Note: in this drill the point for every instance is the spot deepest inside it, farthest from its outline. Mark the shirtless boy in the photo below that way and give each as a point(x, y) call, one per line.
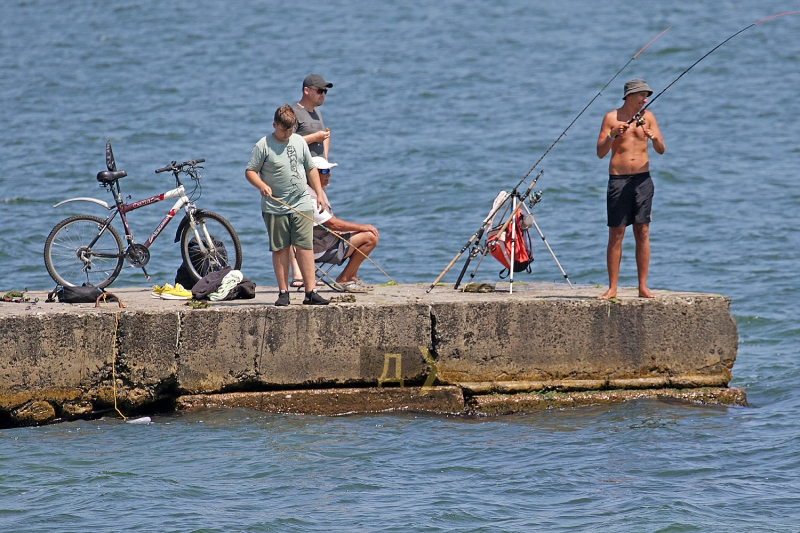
point(629, 197)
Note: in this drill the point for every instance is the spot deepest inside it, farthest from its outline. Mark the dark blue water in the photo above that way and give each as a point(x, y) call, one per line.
point(435, 107)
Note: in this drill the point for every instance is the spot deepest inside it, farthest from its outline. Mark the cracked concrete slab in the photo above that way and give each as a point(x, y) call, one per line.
point(153, 351)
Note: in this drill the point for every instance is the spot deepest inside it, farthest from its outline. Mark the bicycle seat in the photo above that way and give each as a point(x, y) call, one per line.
point(110, 177)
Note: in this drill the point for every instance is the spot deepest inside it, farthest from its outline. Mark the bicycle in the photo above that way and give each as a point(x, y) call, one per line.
point(88, 249)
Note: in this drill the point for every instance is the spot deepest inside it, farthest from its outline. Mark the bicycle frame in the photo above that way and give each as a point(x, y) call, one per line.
point(179, 193)
point(123, 209)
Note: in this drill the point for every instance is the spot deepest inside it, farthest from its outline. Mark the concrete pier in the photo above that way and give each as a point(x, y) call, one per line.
point(398, 347)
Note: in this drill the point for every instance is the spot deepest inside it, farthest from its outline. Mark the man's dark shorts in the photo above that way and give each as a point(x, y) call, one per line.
point(629, 199)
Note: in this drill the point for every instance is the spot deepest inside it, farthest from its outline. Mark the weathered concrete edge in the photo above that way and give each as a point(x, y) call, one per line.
point(148, 374)
point(334, 402)
point(686, 381)
point(505, 404)
point(439, 400)
point(447, 400)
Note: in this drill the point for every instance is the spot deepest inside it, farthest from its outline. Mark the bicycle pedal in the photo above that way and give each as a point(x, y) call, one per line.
point(146, 275)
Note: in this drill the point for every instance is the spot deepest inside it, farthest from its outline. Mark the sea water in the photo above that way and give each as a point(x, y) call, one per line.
point(436, 106)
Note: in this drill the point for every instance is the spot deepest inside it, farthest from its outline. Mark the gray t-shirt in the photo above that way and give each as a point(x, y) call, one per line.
point(283, 167)
point(309, 123)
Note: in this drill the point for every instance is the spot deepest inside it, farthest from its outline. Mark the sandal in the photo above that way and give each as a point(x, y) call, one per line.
point(354, 286)
point(369, 287)
point(297, 283)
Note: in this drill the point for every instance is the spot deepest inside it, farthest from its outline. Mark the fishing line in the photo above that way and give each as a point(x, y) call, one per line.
point(638, 115)
point(336, 235)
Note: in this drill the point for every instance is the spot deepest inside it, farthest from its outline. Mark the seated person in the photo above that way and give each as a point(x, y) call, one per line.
point(328, 248)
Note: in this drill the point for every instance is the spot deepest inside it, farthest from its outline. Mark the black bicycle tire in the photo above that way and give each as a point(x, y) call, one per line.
point(59, 276)
point(188, 235)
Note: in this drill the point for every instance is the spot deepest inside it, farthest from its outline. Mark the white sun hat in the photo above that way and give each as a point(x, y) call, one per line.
point(321, 162)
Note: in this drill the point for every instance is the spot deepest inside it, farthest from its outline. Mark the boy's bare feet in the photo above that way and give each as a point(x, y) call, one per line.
point(645, 293)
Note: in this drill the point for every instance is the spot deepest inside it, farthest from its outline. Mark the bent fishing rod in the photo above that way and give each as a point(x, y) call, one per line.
point(478, 234)
point(335, 234)
point(638, 116)
point(591, 102)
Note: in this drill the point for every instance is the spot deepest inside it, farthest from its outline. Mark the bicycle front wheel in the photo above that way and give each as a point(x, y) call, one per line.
point(210, 246)
point(81, 250)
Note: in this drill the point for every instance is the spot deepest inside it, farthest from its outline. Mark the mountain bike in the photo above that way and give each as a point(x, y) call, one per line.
point(88, 249)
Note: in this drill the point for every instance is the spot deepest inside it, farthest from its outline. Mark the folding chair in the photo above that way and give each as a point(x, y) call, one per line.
point(333, 256)
point(323, 275)
point(325, 260)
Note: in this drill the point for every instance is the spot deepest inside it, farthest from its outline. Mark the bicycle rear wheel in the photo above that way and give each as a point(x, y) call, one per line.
point(212, 245)
point(78, 252)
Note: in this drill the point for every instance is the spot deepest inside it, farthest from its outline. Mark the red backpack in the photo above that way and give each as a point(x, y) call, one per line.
point(499, 245)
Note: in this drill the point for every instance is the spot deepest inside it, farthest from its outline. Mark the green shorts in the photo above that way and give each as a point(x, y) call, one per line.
point(291, 229)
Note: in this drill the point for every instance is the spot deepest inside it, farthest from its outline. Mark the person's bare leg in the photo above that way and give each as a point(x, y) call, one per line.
point(613, 259)
point(295, 272)
point(641, 233)
point(280, 263)
point(366, 242)
point(305, 260)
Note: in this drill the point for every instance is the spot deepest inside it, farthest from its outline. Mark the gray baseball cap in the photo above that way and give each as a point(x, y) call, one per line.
point(636, 85)
point(315, 80)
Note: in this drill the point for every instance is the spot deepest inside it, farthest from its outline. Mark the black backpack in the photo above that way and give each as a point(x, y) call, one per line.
point(84, 294)
point(245, 290)
point(203, 266)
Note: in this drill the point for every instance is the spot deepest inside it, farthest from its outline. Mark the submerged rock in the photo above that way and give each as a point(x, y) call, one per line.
point(33, 413)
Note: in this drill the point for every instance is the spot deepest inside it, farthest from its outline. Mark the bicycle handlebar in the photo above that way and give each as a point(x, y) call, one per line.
point(172, 166)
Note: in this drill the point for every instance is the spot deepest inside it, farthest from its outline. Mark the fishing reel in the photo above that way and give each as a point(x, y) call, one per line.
point(639, 119)
point(476, 250)
point(534, 199)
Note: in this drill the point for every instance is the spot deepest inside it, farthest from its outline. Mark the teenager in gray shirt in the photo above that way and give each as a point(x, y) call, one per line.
point(281, 167)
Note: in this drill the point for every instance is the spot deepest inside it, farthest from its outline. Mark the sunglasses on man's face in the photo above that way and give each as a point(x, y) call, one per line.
point(320, 91)
point(324, 171)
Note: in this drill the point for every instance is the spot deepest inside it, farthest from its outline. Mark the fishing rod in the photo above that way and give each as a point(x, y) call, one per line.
point(478, 234)
point(638, 116)
point(591, 101)
point(335, 235)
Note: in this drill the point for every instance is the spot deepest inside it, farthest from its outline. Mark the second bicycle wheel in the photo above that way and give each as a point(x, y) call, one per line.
point(76, 252)
point(218, 245)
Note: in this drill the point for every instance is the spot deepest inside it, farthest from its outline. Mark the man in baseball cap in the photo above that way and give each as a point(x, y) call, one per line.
point(309, 120)
point(311, 128)
point(626, 132)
